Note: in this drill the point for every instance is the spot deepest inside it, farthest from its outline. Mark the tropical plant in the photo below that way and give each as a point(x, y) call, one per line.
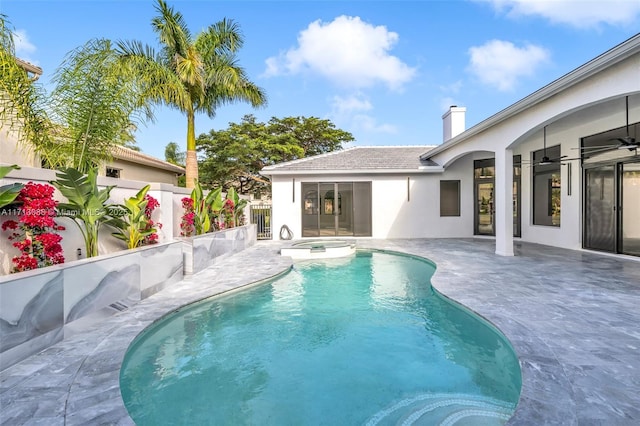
point(95, 104)
point(206, 208)
point(191, 74)
point(187, 226)
point(234, 208)
point(86, 205)
point(34, 233)
point(152, 204)
point(22, 100)
point(8, 193)
point(173, 155)
point(201, 212)
point(131, 221)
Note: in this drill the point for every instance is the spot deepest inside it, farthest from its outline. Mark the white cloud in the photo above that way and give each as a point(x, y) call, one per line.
point(452, 88)
point(23, 45)
point(577, 13)
point(348, 52)
point(368, 124)
point(350, 104)
point(350, 112)
point(501, 64)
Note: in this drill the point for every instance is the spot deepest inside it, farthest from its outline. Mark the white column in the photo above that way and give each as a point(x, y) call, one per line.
point(503, 195)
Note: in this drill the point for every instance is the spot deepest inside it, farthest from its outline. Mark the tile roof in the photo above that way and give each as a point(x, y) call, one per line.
point(29, 67)
point(359, 158)
point(122, 153)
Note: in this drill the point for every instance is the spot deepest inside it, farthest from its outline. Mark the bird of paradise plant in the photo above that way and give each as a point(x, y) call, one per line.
point(87, 204)
point(131, 223)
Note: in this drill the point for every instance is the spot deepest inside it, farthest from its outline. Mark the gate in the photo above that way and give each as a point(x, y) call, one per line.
point(260, 215)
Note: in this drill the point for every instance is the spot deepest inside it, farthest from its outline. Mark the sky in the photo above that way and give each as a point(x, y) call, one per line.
point(386, 71)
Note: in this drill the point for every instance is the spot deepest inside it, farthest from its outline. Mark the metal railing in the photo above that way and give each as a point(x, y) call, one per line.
point(261, 216)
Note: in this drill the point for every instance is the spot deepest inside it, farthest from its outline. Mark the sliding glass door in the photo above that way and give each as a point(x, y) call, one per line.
point(600, 211)
point(336, 209)
point(611, 202)
point(630, 213)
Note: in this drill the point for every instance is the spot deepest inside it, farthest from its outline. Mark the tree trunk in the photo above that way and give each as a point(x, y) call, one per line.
point(192, 169)
point(192, 159)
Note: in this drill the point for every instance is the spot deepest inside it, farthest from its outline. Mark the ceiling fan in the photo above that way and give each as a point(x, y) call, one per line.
point(625, 142)
point(545, 160)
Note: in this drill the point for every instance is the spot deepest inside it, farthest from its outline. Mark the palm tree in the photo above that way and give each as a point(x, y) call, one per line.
point(193, 75)
point(22, 101)
point(96, 103)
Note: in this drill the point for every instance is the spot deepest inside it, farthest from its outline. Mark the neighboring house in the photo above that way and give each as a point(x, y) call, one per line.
point(10, 153)
point(133, 165)
point(559, 167)
point(126, 163)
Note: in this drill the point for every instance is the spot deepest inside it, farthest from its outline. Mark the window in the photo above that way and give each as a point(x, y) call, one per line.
point(546, 188)
point(449, 198)
point(114, 173)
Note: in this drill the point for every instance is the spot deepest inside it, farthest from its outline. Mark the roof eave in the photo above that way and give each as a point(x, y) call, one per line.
point(419, 170)
point(131, 156)
point(613, 56)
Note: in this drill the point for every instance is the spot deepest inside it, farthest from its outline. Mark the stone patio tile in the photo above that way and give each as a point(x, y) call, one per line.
point(571, 316)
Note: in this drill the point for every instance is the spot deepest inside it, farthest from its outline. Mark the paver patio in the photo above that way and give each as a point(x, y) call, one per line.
point(572, 317)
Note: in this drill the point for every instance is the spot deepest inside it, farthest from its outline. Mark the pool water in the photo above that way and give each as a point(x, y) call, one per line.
point(362, 340)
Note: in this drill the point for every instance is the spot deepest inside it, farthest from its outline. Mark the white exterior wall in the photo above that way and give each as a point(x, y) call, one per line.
point(11, 152)
point(567, 133)
point(393, 216)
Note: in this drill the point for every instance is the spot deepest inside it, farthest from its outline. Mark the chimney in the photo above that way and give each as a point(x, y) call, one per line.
point(453, 122)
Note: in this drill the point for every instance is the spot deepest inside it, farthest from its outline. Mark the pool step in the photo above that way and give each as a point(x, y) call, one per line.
point(445, 410)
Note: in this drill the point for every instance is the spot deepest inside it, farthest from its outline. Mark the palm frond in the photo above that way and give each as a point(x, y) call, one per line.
point(22, 101)
point(222, 38)
point(228, 83)
point(172, 29)
point(96, 102)
point(156, 82)
point(6, 35)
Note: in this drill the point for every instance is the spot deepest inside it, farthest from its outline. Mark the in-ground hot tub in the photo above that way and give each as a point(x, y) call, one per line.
point(319, 249)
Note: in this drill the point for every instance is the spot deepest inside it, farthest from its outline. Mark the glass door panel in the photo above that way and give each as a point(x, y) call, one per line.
point(362, 209)
point(344, 214)
point(328, 209)
point(310, 210)
point(484, 209)
point(516, 209)
point(630, 226)
point(600, 214)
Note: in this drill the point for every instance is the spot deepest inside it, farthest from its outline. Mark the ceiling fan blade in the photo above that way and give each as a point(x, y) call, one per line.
point(626, 140)
point(604, 149)
point(597, 147)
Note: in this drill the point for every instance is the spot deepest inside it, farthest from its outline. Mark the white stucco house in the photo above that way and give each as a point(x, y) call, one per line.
point(559, 167)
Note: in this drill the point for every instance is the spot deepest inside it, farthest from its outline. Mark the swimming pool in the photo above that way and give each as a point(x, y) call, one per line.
point(357, 340)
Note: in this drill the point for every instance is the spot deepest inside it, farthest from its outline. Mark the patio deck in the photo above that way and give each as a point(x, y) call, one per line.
point(572, 317)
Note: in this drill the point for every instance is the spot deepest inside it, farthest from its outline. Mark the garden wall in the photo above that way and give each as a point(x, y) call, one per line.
point(168, 214)
point(203, 251)
point(42, 306)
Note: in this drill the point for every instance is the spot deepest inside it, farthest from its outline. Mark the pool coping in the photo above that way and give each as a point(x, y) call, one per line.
point(77, 380)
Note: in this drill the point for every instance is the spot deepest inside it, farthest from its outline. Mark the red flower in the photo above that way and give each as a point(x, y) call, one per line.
point(33, 237)
point(187, 203)
point(9, 224)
